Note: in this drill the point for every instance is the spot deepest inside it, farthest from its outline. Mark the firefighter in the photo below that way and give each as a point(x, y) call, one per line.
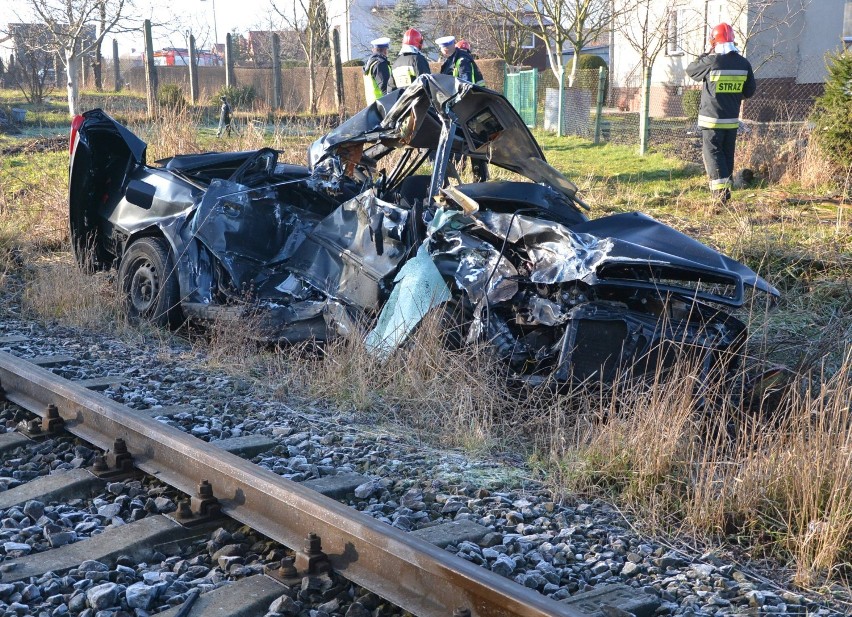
point(475, 72)
point(411, 62)
point(377, 76)
point(727, 79)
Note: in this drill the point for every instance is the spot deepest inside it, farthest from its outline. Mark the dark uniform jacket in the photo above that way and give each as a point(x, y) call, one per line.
point(407, 67)
point(377, 77)
point(460, 65)
point(728, 79)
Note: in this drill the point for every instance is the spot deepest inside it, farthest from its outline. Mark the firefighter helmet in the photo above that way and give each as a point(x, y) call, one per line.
point(413, 37)
point(723, 33)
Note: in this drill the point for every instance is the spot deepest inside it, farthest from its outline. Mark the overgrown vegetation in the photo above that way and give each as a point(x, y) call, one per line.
point(833, 110)
point(770, 478)
point(240, 97)
point(691, 101)
point(171, 96)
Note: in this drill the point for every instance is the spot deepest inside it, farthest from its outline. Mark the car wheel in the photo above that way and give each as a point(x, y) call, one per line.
point(148, 283)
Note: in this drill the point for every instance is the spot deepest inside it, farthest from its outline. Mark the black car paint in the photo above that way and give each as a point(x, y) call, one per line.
point(310, 253)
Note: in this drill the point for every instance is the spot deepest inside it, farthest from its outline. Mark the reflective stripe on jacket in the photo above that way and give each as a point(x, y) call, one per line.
point(377, 78)
point(407, 67)
point(727, 80)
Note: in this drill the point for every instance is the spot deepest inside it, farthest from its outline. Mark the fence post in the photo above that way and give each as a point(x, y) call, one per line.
point(561, 103)
point(535, 97)
point(150, 70)
point(116, 68)
point(338, 73)
point(193, 71)
point(229, 62)
point(645, 114)
point(599, 107)
point(276, 71)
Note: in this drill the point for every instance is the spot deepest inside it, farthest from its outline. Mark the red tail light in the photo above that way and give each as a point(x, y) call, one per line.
point(76, 123)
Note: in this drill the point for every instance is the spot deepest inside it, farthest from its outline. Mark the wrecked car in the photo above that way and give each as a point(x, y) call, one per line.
point(359, 236)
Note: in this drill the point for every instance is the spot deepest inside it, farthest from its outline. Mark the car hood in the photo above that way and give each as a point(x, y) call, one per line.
point(410, 118)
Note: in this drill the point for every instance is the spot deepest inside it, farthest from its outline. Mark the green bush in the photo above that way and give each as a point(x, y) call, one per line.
point(587, 75)
point(691, 100)
point(238, 96)
point(354, 62)
point(833, 110)
point(171, 96)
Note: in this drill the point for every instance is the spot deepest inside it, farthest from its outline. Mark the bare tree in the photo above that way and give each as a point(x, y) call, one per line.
point(558, 23)
point(31, 72)
point(71, 31)
point(766, 28)
point(310, 20)
point(648, 26)
point(492, 36)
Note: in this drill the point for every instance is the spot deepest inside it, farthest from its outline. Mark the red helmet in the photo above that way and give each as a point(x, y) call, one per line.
point(462, 44)
point(723, 33)
point(412, 37)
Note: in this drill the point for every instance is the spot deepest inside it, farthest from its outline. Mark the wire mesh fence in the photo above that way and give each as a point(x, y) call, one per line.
point(775, 119)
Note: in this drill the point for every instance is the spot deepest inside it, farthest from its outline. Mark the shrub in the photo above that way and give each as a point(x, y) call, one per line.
point(690, 102)
point(834, 109)
point(587, 75)
point(171, 96)
point(353, 62)
point(238, 96)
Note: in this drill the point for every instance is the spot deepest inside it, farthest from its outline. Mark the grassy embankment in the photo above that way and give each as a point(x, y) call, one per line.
point(772, 484)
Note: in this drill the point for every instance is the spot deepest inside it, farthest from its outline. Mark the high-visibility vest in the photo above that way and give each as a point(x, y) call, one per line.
point(474, 72)
point(404, 76)
point(372, 91)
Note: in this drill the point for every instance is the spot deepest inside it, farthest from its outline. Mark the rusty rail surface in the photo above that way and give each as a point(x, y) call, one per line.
point(411, 573)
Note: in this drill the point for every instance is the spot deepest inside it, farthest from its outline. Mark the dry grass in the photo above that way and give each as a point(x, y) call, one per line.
point(457, 397)
point(58, 290)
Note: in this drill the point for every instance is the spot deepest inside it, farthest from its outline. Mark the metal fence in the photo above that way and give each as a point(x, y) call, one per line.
point(777, 114)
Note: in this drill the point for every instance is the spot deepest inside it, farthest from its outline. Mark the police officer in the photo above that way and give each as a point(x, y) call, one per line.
point(457, 62)
point(475, 72)
point(411, 62)
point(727, 79)
point(377, 76)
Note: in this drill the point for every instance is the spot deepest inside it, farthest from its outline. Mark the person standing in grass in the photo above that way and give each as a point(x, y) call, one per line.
point(727, 79)
point(224, 117)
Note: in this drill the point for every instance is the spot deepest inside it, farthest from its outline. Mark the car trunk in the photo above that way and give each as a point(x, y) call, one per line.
point(103, 154)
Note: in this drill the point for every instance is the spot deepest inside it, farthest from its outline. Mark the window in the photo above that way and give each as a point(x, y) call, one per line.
point(529, 41)
point(847, 23)
point(674, 33)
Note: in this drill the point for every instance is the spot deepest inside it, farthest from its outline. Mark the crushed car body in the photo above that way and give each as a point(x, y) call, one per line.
point(358, 236)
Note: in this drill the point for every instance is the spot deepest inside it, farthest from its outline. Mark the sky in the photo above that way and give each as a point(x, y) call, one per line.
point(174, 17)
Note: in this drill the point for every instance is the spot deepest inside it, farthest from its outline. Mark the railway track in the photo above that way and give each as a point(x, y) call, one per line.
point(408, 569)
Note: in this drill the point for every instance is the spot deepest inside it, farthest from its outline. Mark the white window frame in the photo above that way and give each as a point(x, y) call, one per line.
point(529, 41)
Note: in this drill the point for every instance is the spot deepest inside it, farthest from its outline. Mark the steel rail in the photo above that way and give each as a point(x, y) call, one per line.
point(411, 573)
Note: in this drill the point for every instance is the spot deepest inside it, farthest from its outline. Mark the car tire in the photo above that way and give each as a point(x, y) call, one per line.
point(148, 283)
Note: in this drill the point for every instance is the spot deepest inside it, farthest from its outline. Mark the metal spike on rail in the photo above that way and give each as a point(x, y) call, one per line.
point(311, 559)
point(285, 573)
